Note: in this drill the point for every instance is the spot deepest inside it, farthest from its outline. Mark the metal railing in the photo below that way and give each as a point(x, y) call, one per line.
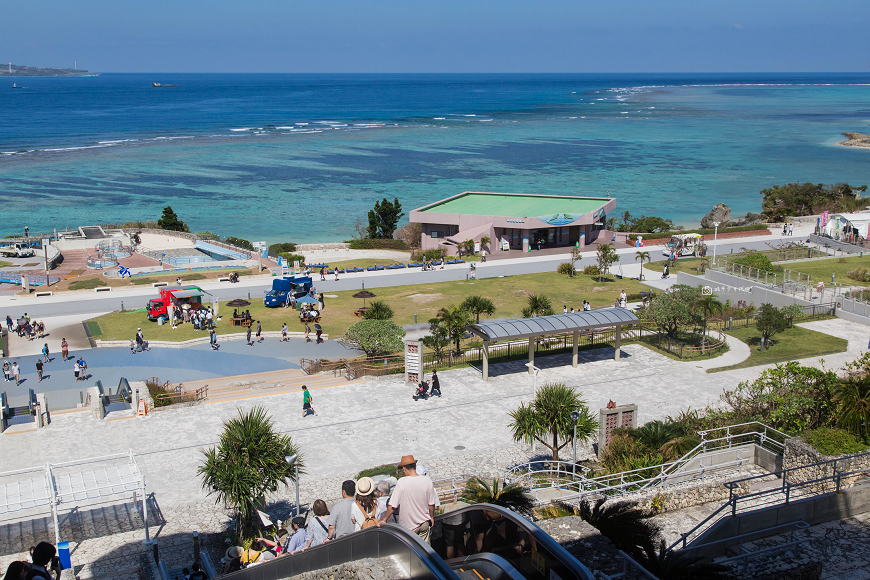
point(789, 491)
point(628, 564)
point(545, 476)
point(744, 555)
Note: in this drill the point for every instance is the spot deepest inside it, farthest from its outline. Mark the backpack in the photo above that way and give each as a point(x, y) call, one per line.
point(370, 520)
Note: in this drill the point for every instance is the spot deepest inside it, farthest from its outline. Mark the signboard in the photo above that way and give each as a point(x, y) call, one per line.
point(505, 245)
point(413, 361)
point(476, 247)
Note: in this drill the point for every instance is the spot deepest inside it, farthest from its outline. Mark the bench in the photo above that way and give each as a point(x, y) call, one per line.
point(360, 311)
point(241, 322)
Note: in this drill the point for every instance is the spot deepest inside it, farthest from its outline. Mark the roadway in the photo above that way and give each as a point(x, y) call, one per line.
point(255, 287)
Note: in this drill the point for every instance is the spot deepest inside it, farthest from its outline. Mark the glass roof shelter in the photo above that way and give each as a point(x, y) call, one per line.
point(532, 328)
point(72, 483)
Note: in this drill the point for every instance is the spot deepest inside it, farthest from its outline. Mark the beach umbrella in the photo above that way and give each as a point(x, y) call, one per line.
point(238, 303)
point(364, 294)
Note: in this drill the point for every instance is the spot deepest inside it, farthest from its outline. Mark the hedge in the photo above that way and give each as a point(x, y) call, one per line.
point(701, 231)
point(376, 244)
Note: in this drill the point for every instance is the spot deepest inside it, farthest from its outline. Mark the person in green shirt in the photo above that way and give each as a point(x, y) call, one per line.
point(306, 402)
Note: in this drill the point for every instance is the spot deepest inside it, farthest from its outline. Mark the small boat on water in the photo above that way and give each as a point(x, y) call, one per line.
point(160, 85)
point(15, 86)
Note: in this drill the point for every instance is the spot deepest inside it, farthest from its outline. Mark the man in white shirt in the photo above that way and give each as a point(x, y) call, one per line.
point(415, 498)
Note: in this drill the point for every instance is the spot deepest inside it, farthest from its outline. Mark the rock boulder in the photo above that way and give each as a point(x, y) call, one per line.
point(720, 213)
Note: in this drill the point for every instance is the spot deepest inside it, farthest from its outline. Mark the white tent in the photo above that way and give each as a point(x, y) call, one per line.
point(838, 221)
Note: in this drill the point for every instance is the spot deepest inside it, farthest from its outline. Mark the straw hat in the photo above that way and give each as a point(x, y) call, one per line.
point(232, 553)
point(407, 460)
point(365, 486)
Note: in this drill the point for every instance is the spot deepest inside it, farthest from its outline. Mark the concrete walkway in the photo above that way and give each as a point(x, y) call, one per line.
point(738, 351)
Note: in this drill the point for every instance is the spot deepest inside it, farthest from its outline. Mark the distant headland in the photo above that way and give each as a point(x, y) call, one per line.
point(14, 70)
point(856, 140)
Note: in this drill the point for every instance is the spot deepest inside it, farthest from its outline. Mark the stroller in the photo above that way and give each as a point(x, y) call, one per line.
point(421, 392)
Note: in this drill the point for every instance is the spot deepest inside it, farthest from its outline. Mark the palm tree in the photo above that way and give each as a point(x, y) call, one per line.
point(437, 340)
point(379, 310)
point(549, 415)
point(455, 321)
point(672, 565)
point(679, 446)
point(624, 524)
point(853, 397)
point(642, 255)
point(512, 496)
point(484, 242)
point(654, 434)
point(709, 305)
point(468, 246)
point(247, 464)
point(478, 305)
point(539, 305)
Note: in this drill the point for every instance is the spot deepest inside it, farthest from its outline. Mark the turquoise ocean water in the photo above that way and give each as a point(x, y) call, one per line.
point(302, 157)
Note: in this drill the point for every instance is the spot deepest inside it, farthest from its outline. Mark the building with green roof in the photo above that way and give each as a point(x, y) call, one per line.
point(512, 221)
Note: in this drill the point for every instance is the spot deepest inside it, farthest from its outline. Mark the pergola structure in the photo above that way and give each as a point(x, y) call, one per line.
point(532, 328)
point(71, 483)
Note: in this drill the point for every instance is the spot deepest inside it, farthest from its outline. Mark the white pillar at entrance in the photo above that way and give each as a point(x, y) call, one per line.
point(617, 342)
point(531, 354)
point(485, 352)
point(576, 340)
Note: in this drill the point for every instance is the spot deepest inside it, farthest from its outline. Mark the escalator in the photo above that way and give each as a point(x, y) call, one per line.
point(480, 542)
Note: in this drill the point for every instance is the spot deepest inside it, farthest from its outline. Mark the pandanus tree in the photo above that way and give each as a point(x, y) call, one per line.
point(852, 396)
point(547, 418)
point(248, 464)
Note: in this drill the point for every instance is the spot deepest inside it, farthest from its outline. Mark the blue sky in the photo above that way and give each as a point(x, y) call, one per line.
point(439, 36)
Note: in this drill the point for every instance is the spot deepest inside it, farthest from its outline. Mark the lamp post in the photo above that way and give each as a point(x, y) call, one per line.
point(535, 371)
point(715, 235)
point(575, 416)
point(292, 460)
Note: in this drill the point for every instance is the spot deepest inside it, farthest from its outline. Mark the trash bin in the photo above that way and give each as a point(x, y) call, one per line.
point(160, 321)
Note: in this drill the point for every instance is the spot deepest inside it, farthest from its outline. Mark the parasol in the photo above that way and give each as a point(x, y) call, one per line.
point(364, 294)
point(238, 303)
point(307, 300)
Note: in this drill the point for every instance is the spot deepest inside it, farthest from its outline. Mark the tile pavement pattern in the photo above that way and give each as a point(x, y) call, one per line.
point(357, 426)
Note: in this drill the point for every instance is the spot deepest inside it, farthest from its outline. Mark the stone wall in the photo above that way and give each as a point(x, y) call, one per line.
point(798, 453)
point(684, 495)
point(585, 543)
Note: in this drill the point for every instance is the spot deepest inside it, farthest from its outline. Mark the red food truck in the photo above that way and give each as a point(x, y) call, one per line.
point(175, 296)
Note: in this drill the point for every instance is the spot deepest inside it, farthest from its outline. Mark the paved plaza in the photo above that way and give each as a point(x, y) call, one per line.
point(361, 424)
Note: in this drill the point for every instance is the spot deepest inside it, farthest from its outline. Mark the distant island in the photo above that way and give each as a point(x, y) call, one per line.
point(856, 140)
point(14, 70)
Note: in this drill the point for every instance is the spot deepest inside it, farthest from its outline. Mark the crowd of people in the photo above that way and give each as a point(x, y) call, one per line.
point(364, 504)
point(42, 563)
point(201, 318)
point(25, 327)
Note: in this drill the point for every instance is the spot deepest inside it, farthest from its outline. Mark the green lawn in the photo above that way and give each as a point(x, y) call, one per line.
point(688, 265)
point(4, 264)
point(821, 270)
point(508, 293)
point(793, 344)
